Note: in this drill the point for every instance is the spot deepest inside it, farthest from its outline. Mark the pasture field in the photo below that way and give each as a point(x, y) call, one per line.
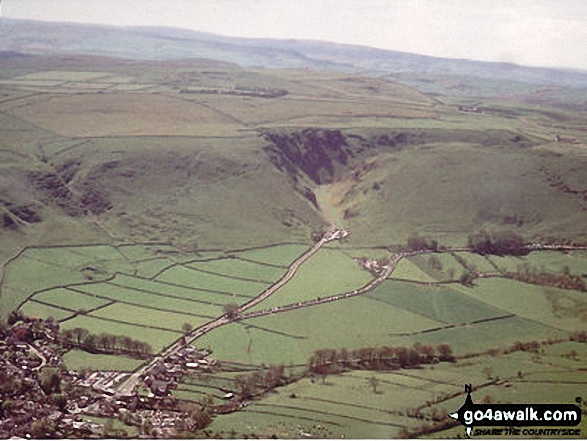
point(64, 75)
point(177, 291)
point(188, 276)
point(439, 303)
point(196, 385)
point(498, 334)
point(557, 308)
point(507, 263)
point(18, 284)
point(148, 316)
point(524, 377)
point(38, 310)
point(326, 273)
point(77, 360)
point(476, 262)
point(447, 267)
point(281, 255)
point(67, 298)
point(240, 269)
point(408, 270)
point(550, 261)
point(166, 300)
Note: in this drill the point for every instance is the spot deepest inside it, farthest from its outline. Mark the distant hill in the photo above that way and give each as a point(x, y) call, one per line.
point(169, 43)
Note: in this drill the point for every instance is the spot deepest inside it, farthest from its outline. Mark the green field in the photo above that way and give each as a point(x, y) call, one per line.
point(561, 309)
point(281, 255)
point(191, 277)
point(76, 360)
point(439, 303)
point(408, 270)
point(237, 268)
point(328, 272)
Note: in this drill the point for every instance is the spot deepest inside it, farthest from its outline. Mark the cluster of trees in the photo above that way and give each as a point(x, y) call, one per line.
point(83, 339)
point(330, 361)
point(197, 416)
point(420, 243)
point(499, 244)
point(248, 386)
point(564, 280)
point(579, 336)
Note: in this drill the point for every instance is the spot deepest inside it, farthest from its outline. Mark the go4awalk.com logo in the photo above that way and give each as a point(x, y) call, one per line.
point(546, 420)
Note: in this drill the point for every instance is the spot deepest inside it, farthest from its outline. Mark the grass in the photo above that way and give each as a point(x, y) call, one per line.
point(408, 270)
point(150, 299)
point(328, 272)
point(441, 304)
point(69, 299)
point(554, 261)
point(77, 360)
point(18, 283)
point(240, 268)
point(477, 262)
point(446, 269)
point(281, 255)
point(495, 334)
point(147, 317)
point(553, 307)
point(176, 290)
point(37, 310)
point(197, 279)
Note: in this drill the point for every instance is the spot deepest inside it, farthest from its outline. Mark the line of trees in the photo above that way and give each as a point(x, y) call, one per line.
point(579, 336)
point(330, 361)
point(498, 244)
point(421, 243)
point(564, 280)
point(109, 343)
point(248, 386)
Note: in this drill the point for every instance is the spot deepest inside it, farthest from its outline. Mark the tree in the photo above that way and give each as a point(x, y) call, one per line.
point(374, 382)
point(445, 352)
point(15, 316)
point(186, 328)
point(79, 334)
point(50, 381)
point(231, 310)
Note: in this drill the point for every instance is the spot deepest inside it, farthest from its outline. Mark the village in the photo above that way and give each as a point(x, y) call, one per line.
point(41, 398)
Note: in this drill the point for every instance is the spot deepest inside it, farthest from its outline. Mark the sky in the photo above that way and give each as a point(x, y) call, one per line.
point(530, 32)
